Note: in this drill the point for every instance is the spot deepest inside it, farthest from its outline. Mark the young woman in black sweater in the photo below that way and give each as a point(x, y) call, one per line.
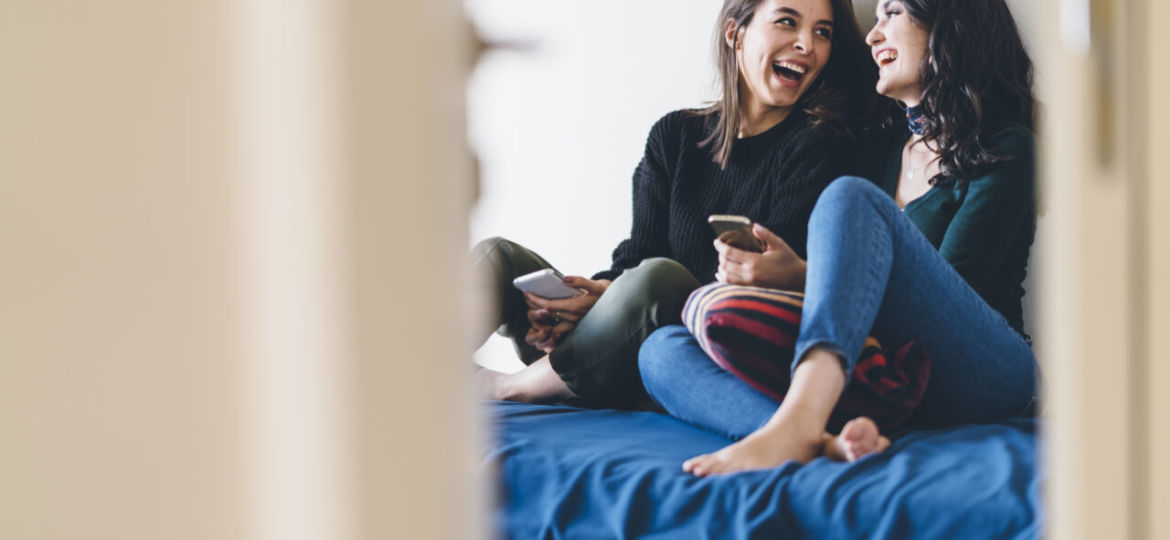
point(795, 83)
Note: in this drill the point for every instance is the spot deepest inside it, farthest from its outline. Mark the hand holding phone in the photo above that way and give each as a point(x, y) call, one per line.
point(736, 231)
point(546, 283)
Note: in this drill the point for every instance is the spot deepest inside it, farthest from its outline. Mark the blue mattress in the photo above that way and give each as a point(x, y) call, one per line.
point(577, 473)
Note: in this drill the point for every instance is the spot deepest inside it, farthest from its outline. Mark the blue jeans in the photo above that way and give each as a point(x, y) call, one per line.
point(872, 272)
point(684, 381)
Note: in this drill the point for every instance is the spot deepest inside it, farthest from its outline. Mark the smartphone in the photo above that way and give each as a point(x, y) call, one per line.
point(546, 283)
point(736, 231)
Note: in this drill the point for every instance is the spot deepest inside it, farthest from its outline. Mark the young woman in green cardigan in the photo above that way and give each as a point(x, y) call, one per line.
point(935, 252)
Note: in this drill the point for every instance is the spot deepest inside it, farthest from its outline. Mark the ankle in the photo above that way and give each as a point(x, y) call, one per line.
point(795, 424)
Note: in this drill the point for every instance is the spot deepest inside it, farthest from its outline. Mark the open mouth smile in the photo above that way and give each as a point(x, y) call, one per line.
point(885, 57)
point(789, 72)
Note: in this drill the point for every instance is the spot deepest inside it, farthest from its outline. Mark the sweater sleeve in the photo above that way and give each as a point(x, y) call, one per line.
point(651, 187)
point(993, 212)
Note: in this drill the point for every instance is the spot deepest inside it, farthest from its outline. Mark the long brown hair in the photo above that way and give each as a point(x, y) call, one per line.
point(839, 99)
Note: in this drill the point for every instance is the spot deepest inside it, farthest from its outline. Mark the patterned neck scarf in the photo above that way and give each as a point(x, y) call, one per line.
point(916, 120)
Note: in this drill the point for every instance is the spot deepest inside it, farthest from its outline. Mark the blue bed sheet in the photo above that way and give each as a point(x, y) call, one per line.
point(577, 473)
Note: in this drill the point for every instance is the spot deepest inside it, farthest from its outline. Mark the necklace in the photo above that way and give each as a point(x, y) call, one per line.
point(913, 182)
point(911, 169)
point(910, 172)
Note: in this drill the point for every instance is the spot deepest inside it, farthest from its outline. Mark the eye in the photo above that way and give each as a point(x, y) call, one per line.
point(787, 21)
point(825, 32)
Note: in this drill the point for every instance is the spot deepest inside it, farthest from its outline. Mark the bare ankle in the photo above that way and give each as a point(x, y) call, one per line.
point(797, 423)
point(796, 428)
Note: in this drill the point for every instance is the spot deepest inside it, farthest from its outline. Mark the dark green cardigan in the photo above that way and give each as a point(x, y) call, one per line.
point(983, 227)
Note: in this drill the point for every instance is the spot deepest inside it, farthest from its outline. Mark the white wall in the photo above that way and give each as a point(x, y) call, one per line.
point(560, 128)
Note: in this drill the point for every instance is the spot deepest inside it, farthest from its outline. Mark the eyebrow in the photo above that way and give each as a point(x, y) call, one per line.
point(795, 13)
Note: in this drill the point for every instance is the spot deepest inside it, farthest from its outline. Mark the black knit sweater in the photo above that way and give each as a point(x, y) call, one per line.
point(773, 178)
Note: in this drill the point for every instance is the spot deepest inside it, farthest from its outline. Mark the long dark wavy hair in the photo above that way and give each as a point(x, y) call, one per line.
point(842, 99)
point(976, 80)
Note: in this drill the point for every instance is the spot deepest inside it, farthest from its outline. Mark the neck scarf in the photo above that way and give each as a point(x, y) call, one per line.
point(916, 120)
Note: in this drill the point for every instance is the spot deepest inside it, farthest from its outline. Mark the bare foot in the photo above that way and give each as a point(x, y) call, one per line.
point(770, 446)
point(795, 430)
point(536, 383)
point(859, 438)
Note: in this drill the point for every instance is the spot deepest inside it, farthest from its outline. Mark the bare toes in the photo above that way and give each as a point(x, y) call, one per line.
point(858, 438)
point(706, 465)
point(861, 438)
point(689, 466)
point(860, 429)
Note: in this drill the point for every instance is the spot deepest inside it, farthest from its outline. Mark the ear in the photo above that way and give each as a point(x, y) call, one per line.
point(729, 34)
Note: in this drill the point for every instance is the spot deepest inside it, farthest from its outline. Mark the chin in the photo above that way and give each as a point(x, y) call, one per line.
point(787, 102)
point(887, 91)
point(784, 100)
point(782, 104)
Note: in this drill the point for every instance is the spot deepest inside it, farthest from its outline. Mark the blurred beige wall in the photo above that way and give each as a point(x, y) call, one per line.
point(217, 317)
point(1105, 304)
point(120, 397)
point(1156, 469)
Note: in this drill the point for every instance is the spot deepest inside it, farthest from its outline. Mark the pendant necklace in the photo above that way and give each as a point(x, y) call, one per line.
point(911, 170)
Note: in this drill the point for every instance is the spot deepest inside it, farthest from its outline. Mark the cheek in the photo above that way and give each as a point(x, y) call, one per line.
point(746, 72)
point(745, 68)
point(749, 65)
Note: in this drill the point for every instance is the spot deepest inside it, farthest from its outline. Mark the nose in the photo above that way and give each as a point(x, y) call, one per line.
point(804, 43)
point(874, 37)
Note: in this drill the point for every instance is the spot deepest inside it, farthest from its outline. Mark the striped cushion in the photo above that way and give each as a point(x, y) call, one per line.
point(751, 332)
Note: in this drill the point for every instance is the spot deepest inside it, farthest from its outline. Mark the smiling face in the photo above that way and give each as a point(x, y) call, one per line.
point(898, 45)
point(781, 51)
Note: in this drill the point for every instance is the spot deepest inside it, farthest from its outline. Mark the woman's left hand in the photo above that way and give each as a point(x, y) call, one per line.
point(551, 320)
point(778, 267)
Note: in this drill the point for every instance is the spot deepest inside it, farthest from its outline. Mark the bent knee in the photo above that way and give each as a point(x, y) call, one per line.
point(658, 277)
point(852, 188)
point(849, 194)
point(493, 245)
point(659, 267)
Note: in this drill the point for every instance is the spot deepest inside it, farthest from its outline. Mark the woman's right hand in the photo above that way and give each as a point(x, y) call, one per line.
point(551, 320)
point(778, 267)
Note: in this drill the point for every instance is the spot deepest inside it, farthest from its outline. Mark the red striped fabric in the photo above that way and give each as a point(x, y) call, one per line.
point(751, 333)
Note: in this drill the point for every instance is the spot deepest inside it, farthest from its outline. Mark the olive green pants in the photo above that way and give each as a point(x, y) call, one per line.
point(597, 360)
